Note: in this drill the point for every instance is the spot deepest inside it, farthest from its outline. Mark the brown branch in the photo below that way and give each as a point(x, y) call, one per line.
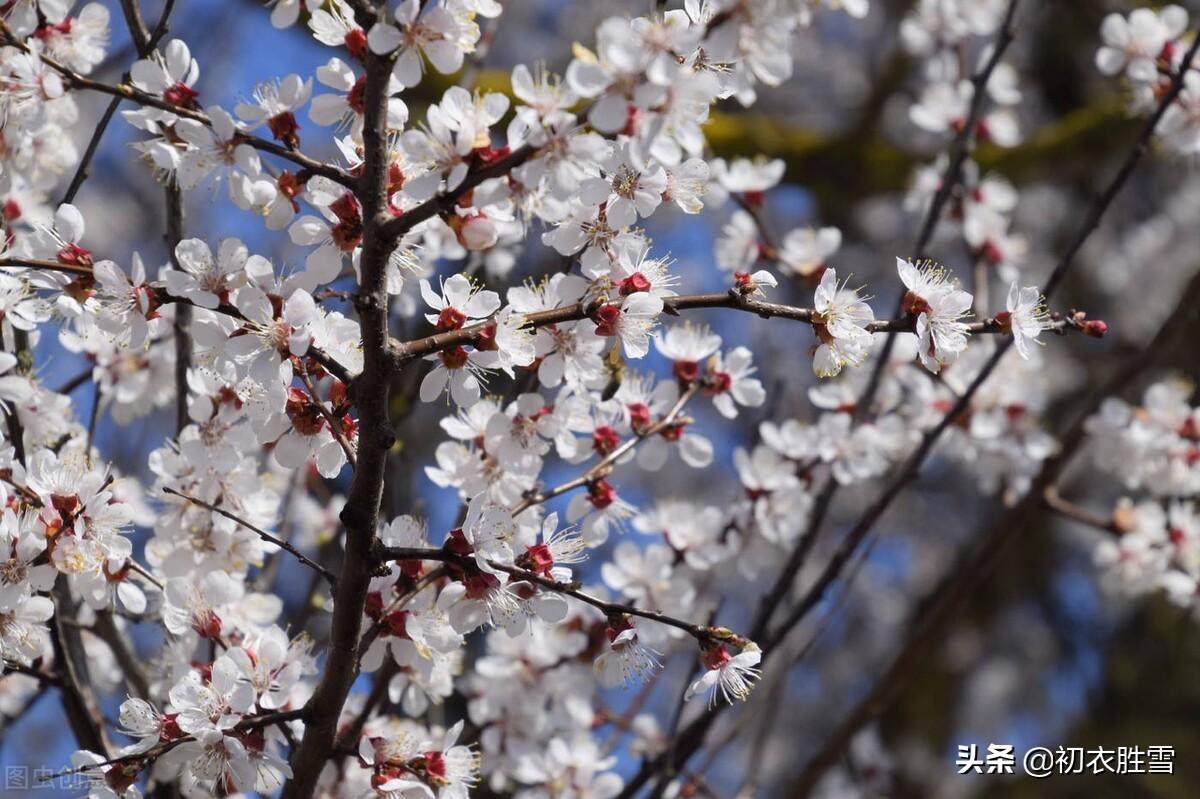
point(163, 298)
point(246, 724)
point(329, 576)
point(706, 634)
point(1069, 510)
point(106, 630)
point(348, 737)
point(335, 424)
point(733, 299)
point(46, 678)
point(183, 312)
point(360, 515)
point(694, 734)
point(395, 227)
point(602, 467)
point(959, 151)
point(127, 91)
point(79, 703)
point(945, 600)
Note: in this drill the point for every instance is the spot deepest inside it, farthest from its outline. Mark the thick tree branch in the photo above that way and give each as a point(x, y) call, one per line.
point(360, 516)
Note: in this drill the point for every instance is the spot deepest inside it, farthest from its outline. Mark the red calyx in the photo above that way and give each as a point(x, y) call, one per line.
point(346, 208)
point(181, 96)
point(915, 304)
point(605, 439)
point(285, 128)
point(633, 284)
point(754, 198)
point(616, 626)
point(355, 98)
point(75, 255)
point(455, 358)
point(435, 765)
point(169, 729)
point(716, 657)
point(479, 584)
point(488, 155)
point(639, 415)
point(65, 504)
point(450, 318)
point(601, 494)
point(373, 606)
point(606, 317)
point(540, 559)
point(346, 235)
point(457, 543)
point(396, 623)
point(305, 416)
point(208, 626)
point(718, 383)
point(992, 253)
point(356, 43)
point(686, 371)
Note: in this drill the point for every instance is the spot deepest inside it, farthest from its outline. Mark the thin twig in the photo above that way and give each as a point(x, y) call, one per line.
point(127, 91)
point(335, 424)
point(693, 736)
point(604, 465)
point(329, 576)
point(706, 634)
point(946, 599)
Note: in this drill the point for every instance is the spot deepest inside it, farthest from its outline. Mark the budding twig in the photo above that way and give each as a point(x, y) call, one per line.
point(164, 298)
point(127, 91)
point(604, 465)
point(329, 576)
point(732, 299)
point(705, 634)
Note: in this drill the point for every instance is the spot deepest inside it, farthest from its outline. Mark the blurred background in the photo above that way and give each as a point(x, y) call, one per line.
point(1044, 655)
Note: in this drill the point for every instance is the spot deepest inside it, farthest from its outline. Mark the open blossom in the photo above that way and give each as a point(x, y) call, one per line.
point(213, 147)
point(459, 304)
point(630, 188)
point(285, 13)
point(840, 318)
point(334, 24)
point(805, 251)
point(452, 320)
point(1026, 316)
point(438, 35)
point(203, 279)
point(939, 306)
point(275, 103)
point(732, 676)
point(1134, 44)
point(170, 74)
point(627, 660)
point(631, 321)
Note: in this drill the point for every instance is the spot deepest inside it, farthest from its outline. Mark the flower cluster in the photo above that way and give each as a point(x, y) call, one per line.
point(1151, 543)
point(510, 621)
